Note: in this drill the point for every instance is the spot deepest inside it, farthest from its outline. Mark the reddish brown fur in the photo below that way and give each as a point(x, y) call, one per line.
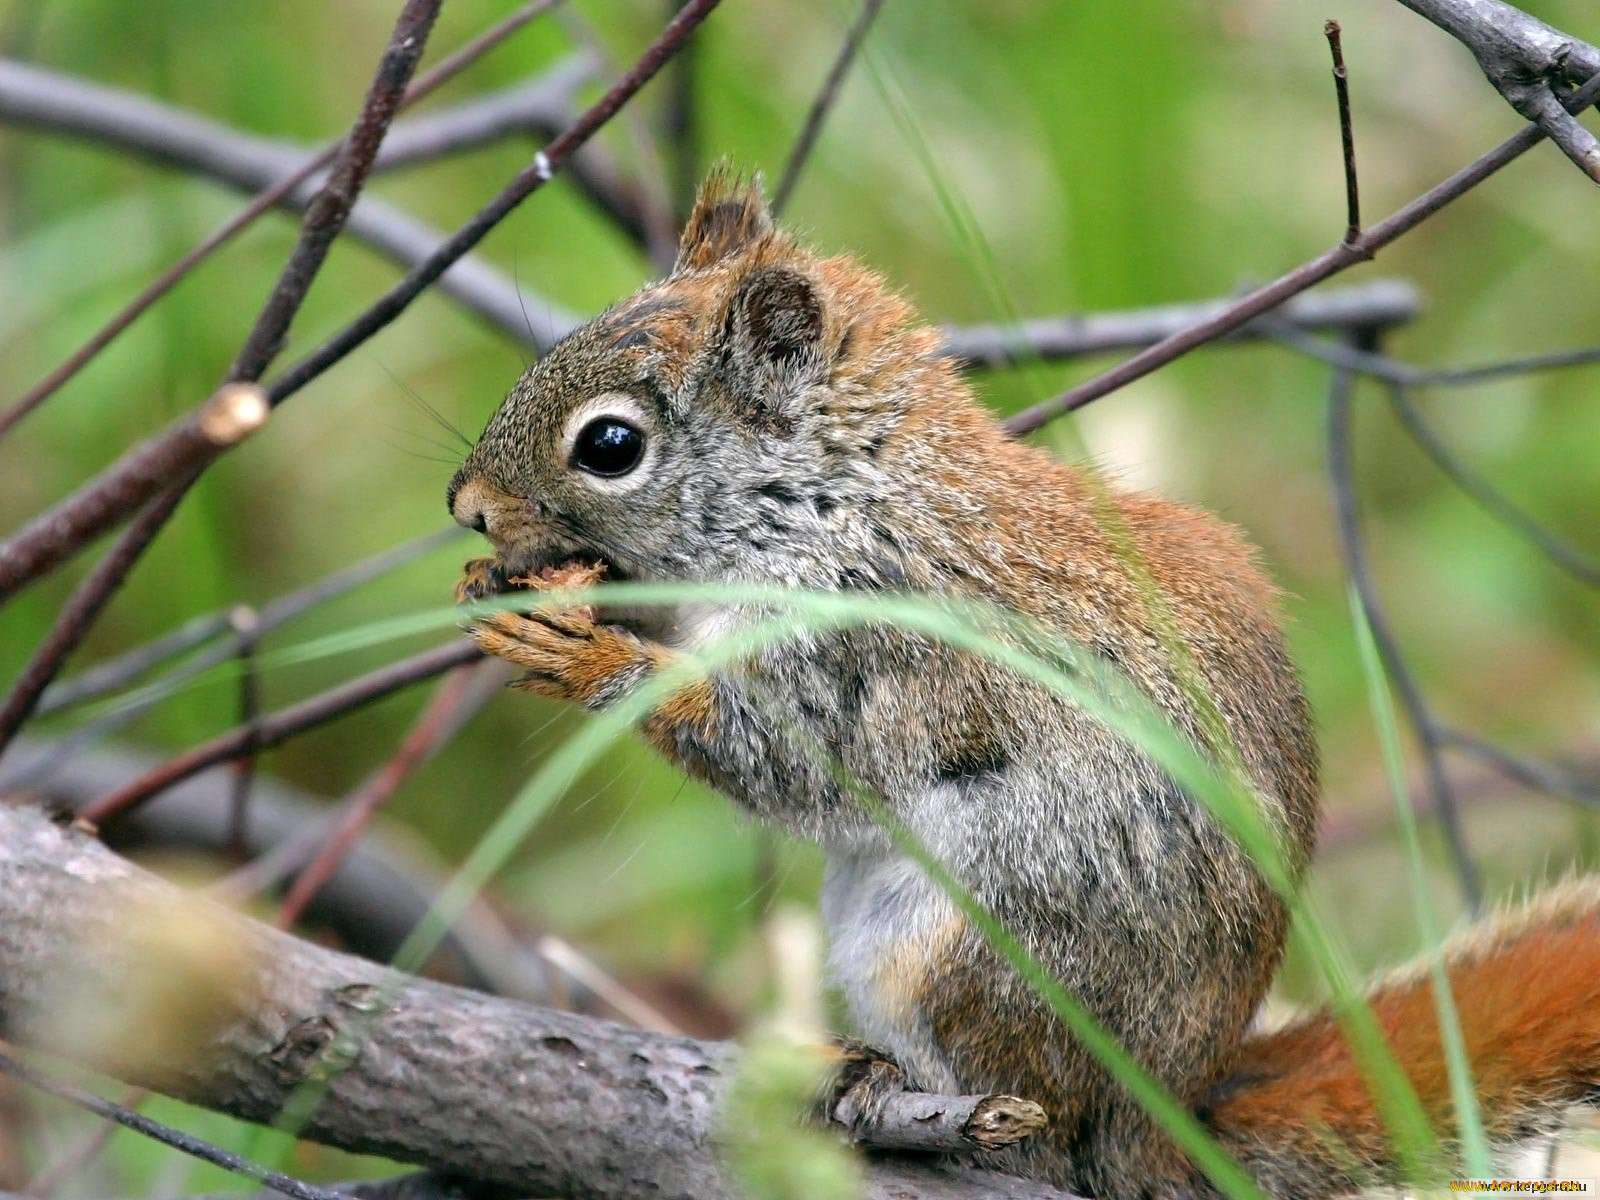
point(1164, 591)
point(1527, 990)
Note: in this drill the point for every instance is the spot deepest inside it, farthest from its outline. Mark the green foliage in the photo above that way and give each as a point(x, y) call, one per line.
point(993, 158)
point(770, 1148)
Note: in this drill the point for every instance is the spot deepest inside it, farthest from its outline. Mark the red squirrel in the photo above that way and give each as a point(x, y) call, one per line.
point(765, 415)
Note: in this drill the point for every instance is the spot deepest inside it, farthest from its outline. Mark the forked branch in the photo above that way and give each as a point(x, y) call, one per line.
point(545, 1102)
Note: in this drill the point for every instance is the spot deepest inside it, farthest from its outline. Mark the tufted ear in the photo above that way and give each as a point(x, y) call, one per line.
point(774, 341)
point(729, 214)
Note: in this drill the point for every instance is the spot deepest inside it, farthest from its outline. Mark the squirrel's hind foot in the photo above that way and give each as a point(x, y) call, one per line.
point(862, 1081)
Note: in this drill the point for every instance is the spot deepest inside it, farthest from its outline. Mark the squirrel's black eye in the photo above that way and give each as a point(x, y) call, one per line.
point(608, 446)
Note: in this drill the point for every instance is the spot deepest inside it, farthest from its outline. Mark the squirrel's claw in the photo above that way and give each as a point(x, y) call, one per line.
point(480, 579)
point(565, 653)
point(862, 1081)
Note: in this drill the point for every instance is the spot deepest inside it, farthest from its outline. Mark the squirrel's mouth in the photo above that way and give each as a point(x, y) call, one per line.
point(551, 567)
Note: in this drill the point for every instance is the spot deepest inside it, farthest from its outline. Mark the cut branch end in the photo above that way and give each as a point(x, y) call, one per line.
point(234, 412)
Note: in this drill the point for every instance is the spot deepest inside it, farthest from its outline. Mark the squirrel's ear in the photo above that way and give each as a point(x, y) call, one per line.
point(729, 214)
point(775, 331)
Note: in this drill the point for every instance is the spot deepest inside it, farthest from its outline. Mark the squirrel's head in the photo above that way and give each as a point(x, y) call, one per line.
point(724, 422)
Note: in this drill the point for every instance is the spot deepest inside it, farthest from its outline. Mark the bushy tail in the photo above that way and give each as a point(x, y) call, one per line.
point(1298, 1112)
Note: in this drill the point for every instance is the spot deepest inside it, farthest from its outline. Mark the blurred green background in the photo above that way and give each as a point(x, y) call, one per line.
point(1113, 153)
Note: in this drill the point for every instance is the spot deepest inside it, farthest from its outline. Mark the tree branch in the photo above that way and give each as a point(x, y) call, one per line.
point(279, 726)
point(545, 1102)
point(325, 216)
point(65, 528)
point(376, 896)
point(44, 99)
point(1376, 305)
point(1265, 299)
point(800, 153)
point(1529, 63)
point(1341, 473)
point(29, 94)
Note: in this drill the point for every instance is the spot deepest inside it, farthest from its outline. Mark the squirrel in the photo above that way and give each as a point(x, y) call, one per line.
point(766, 415)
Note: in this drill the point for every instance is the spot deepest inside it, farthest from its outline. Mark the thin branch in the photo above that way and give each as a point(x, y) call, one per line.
point(247, 629)
point(327, 213)
point(378, 895)
point(601, 1110)
point(800, 154)
point(459, 695)
point(227, 418)
point(1379, 304)
point(65, 528)
point(1264, 299)
point(237, 158)
point(272, 616)
point(85, 604)
point(175, 458)
point(1558, 781)
point(1342, 477)
point(1354, 826)
point(278, 727)
point(528, 181)
point(50, 100)
point(129, 666)
point(1347, 132)
point(1491, 499)
point(283, 1184)
point(1401, 376)
point(1381, 366)
point(418, 1185)
point(680, 133)
point(1529, 63)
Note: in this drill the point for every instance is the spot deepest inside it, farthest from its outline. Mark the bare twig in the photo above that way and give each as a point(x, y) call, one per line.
point(418, 1185)
point(1574, 562)
point(1352, 827)
point(187, 447)
point(1381, 366)
point(1379, 304)
point(84, 605)
point(227, 418)
point(451, 706)
point(1342, 476)
point(30, 94)
point(129, 666)
point(328, 211)
point(279, 726)
point(1264, 299)
point(1559, 781)
point(22, 98)
point(528, 181)
point(187, 1143)
point(238, 158)
point(1529, 64)
point(680, 133)
point(122, 669)
point(61, 531)
point(246, 624)
point(601, 1110)
point(1347, 132)
point(800, 154)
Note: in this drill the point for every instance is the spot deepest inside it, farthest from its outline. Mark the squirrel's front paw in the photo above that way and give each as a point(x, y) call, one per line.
point(863, 1079)
point(480, 579)
point(566, 653)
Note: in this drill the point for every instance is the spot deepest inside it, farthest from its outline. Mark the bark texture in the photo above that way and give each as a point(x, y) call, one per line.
point(544, 1102)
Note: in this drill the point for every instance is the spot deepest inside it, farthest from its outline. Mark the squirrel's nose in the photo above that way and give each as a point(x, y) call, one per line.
point(469, 505)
